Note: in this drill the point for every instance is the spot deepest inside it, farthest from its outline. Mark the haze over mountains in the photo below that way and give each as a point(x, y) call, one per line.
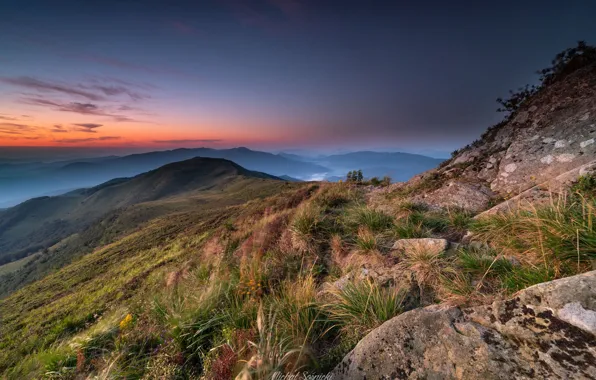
point(24, 179)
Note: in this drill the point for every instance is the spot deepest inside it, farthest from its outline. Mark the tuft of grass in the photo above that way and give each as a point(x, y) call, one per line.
point(273, 352)
point(299, 314)
point(376, 221)
point(305, 225)
point(563, 232)
point(361, 306)
point(523, 277)
point(483, 263)
point(335, 195)
point(585, 186)
point(366, 241)
point(426, 266)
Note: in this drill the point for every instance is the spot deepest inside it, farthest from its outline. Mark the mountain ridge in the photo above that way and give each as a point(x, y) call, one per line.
point(82, 206)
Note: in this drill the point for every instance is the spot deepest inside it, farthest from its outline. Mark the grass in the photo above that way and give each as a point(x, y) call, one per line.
point(237, 289)
point(360, 307)
point(426, 266)
point(366, 241)
point(376, 221)
point(558, 234)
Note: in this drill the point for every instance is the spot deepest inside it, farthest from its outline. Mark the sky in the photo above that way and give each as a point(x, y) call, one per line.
point(270, 74)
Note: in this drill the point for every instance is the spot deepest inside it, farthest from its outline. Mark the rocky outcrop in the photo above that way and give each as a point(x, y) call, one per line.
point(553, 133)
point(543, 193)
point(545, 331)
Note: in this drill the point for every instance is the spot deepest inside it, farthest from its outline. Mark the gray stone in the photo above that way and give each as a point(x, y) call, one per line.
point(544, 332)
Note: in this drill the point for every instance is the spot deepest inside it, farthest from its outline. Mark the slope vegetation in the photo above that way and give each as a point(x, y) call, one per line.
point(100, 214)
point(279, 277)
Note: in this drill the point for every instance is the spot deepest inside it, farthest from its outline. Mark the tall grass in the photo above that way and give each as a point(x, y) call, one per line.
point(361, 306)
point(274, 353)
point(558, 234)
point(362, 216)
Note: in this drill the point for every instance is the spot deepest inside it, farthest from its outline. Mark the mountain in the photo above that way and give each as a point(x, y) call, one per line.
point(551, 134)
point(41, 222)
point(22, 181)
point(19, 182)
point(224, 273)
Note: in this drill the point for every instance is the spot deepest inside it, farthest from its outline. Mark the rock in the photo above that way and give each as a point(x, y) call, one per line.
point(551, 134)
point(547, 331)
point(430, 245)
point(461, 195)
point(543, 192)
point(521, 117)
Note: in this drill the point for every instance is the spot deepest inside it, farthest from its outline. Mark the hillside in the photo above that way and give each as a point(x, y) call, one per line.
point(549, 134)
point(40, 223)
point(21, 181)
point(251, 276)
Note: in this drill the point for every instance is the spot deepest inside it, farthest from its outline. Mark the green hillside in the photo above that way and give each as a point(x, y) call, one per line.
point(40, 223)
point(243, 286)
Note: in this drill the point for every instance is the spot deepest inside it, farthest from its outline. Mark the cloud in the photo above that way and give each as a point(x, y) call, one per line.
point(76, 107)
point(119, 90)
point(87, 127)
point(36, 84)
point(7, 118)
point(16, 129)
point(58, 129)
point(184, 141)
point(91, 139)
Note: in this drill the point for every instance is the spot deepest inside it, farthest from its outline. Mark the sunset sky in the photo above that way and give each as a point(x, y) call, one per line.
point(270, 74)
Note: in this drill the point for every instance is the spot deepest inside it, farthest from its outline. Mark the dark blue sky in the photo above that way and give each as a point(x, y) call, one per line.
point(271, 73)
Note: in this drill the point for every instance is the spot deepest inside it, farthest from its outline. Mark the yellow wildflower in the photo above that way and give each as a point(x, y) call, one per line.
point(126, 321)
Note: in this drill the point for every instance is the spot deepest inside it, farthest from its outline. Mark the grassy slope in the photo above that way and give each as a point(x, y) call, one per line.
point(42, 222)
point(63, 302)
point(253, 272)
point(122, 221)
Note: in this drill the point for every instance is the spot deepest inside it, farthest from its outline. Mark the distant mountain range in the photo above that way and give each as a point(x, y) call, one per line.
point(20, 181)
point(41, 222)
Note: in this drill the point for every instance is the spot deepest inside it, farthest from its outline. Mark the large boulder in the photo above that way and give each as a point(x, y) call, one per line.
point(546, 331)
